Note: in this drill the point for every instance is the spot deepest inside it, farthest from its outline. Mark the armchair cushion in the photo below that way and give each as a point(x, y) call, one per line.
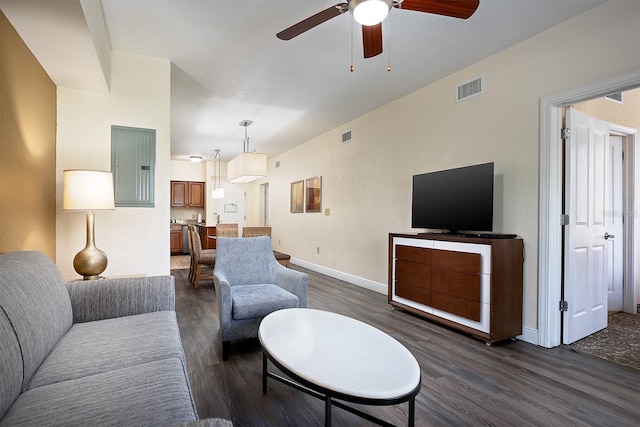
point(250, 301)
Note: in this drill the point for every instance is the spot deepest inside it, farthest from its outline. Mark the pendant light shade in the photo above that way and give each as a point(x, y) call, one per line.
point(248, 166)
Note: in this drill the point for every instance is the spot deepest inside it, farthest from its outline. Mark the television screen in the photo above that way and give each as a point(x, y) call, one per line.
point(454, 200)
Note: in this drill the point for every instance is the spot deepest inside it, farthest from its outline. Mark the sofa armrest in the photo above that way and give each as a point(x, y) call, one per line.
point(293, 281)
point(107, 298)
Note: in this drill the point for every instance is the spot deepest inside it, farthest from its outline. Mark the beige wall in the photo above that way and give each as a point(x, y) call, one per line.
point(27, 148)
point(136, 240)
point(626, 114)
point(367, 182)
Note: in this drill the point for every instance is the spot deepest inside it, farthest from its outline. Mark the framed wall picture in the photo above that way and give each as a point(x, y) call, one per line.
point(297, 197)
point(314, 194)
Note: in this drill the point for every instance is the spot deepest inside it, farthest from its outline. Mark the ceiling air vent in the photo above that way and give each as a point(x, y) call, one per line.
point(346, 137)
point(469, 89)
point(614, 97)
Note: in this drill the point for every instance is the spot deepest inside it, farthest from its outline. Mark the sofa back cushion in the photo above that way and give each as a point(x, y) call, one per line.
point(245, 261)
point(10, 365)
point(35, 300)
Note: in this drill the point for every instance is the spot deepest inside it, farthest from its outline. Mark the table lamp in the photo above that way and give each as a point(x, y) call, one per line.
point(88, 190)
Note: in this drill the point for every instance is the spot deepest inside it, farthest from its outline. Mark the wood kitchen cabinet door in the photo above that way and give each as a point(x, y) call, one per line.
point(196, 194)
point(179, 193)
point(176, 239)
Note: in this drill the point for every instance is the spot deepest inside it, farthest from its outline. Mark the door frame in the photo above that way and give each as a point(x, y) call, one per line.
point(629, 147)
point(550, 247)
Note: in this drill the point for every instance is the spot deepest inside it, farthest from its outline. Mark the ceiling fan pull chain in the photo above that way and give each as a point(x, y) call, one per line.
point(389, 42)
point(351, 68)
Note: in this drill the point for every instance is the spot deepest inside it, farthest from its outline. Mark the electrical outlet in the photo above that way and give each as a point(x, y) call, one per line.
point(279, 242)
point(318, 249)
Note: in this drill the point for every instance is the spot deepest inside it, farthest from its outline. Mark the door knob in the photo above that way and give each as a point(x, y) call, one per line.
point(608, 236)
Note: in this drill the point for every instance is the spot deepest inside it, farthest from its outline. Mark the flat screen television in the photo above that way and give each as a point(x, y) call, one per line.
point(454, 200)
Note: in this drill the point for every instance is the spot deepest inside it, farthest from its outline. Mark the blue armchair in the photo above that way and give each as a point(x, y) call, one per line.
point(250, 284)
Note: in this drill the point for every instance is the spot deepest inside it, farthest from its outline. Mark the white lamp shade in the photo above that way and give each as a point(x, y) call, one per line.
point(86, 190)
point(370, 12)
point(247, 167)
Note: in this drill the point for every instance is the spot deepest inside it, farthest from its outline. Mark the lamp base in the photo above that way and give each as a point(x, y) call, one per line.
point(90, 262)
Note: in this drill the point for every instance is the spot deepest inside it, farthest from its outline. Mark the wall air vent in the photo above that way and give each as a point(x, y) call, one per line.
point(346, 137)
point(469, 89)
point(614, 97)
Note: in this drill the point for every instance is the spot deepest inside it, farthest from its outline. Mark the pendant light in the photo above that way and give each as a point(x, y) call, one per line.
point(218, 192)
point(248, 166)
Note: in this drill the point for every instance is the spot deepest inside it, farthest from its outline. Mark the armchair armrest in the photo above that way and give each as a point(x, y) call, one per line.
point(223, 293)
point(293, 281)
point(109, 298)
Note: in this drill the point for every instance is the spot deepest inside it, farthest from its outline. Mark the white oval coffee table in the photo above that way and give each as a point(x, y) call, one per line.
point(331, 356)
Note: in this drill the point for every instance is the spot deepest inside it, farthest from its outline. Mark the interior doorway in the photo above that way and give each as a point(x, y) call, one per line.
point(551, 228)
point(594, 205)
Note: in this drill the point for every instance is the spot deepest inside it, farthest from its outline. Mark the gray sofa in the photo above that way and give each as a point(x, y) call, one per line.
point(100, 352)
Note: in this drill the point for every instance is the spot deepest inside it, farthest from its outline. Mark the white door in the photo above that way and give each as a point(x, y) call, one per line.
point(230, 208)
point(587, 172)
point(615, 226)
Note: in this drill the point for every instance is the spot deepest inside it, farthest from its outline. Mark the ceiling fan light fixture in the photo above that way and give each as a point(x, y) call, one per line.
point(370, 12)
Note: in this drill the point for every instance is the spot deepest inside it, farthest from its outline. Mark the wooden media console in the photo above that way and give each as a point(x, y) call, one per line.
point(473, 284)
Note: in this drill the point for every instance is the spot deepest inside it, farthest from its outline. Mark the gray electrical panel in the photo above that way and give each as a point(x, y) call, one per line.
point(133, 164)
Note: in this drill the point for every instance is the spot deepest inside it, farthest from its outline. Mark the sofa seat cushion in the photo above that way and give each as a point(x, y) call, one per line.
point(252, 301)
point(110, 344)
point(153, 394)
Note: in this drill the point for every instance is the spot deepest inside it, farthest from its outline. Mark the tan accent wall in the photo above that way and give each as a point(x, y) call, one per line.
point(27, 148)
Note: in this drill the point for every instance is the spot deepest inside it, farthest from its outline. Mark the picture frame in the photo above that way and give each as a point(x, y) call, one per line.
point(297, 196)
point(313, 194)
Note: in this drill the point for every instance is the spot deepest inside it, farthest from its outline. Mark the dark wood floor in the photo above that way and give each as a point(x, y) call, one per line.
point(464, 382)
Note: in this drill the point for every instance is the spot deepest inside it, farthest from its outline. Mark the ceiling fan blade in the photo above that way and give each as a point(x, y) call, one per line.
point(454, 8)
point(312, 21)
point(372, 40)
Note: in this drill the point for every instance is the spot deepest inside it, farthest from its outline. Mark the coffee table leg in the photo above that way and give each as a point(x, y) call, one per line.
point(412, 411)
point(327, 411)
point(264, 373)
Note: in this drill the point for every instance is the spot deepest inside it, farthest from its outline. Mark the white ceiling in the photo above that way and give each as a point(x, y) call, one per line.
point(228, 65)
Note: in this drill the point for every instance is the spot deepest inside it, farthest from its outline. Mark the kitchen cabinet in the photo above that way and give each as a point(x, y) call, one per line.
point(175, 239)
point(187, 194)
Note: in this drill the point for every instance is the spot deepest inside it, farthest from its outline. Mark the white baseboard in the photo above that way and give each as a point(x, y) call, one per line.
point(529, 335)
point(349, 278)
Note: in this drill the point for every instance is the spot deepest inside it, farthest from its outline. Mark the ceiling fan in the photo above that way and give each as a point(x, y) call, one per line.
point(371, 13)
